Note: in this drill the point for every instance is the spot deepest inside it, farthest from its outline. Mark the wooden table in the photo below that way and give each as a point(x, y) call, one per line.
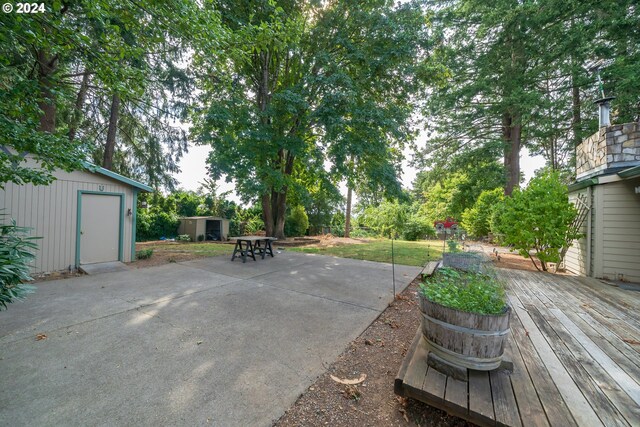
point(249, 245)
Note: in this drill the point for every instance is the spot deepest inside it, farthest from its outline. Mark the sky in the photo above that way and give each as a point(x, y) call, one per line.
point(194, 170)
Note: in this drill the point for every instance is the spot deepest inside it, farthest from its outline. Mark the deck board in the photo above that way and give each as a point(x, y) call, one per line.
point(575, 348)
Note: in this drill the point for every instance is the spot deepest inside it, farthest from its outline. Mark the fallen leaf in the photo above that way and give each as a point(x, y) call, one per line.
point(199, 342)
point(351, 392)
point(41, 337)
point(367, 342)
point(348, 381)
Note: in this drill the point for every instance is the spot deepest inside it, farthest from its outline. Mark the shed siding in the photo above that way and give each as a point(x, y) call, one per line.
point(576, 258)
point(621, 231)
point(51, 212)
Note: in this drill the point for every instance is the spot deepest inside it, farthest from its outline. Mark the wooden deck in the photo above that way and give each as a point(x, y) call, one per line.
point(575, 348)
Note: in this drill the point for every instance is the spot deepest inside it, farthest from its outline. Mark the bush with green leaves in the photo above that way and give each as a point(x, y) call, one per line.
point(183, 238)
point(297, 222)
point(153, 224)
point(537, 219)
point(418, 227)
point(17, 251)
point(473, 292)
point(477, 219)
point(144, 254)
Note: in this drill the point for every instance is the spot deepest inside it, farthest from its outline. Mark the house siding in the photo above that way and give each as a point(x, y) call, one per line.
point(576, 259)
point(621, 231)
point(51, 212)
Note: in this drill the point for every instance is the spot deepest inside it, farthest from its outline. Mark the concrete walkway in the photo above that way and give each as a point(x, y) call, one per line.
point(205, 342)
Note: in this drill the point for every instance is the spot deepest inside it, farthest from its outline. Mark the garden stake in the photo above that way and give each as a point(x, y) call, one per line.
point(393, 269)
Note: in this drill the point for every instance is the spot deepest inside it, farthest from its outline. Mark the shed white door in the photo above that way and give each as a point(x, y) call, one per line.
point(99, 228)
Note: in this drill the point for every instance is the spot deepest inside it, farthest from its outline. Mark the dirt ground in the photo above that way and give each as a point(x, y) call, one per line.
point(378, 354)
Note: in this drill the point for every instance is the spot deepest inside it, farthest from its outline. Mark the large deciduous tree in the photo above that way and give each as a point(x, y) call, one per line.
point(310, 83)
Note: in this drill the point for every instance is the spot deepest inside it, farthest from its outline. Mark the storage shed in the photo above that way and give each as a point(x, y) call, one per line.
point(209, 227)
point(608, 183)
point(84, 217)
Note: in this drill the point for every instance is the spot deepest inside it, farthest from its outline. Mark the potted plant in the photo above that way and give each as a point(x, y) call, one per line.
point(465, 319)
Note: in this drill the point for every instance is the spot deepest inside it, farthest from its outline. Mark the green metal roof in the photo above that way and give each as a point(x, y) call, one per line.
point(630, 173)
point(582, 184)
point(106, 172)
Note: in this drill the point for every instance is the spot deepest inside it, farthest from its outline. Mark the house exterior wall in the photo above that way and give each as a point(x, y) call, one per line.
point(577, 259)
point(620, 243)
point(52, 213)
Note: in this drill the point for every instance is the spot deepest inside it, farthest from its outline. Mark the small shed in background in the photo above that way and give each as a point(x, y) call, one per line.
point(209, 227)
point(83, 217)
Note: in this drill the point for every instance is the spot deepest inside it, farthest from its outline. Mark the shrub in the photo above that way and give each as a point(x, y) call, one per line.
point(144, 254)
point(477, 219)
point(297, 222)
point(154, 224)
point(16, 252)
point(538, 219)
point(418, 227)
point(453, 246)
point(200, 237)
point(362, 233)
point(467, 291)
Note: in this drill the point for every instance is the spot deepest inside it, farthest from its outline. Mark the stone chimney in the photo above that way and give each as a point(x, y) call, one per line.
point(611, 148)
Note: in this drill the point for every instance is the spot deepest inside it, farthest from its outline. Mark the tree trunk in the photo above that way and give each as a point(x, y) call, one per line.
point(347, 219)
point(511, 133)
point(281, 213)
point(47, 104)
point(77, 112)
point(110, 145)
point(267, 214)
point(575, 109)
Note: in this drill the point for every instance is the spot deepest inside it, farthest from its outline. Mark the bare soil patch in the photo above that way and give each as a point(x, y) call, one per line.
point(378, 353)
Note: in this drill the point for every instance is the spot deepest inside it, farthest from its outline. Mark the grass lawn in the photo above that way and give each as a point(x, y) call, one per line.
point(200, 249)
point(406, 253)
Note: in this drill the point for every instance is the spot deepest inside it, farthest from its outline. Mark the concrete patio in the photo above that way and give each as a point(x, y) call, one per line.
point(192, 343)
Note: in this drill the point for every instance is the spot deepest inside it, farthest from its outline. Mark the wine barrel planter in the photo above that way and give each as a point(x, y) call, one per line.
point(462, 339)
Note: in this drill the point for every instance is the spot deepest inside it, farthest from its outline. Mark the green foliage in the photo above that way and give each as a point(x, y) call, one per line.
point(183, 238)
point(357, 233)
point(453, 246)
point(467, 291)
point(448, 190)
point(16, 252)
point(297, 222)
point(387, 219)
point(200, 237)
point(477, 219)
point(537, 219)
point(153, 224)
point(379, 250)
point(417, 227)
point(144, 254)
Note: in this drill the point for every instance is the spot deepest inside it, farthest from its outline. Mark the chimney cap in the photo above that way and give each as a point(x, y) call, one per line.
point(603, 101)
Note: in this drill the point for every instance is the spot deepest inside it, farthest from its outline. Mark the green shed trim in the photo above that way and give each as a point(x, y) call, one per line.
point(582, 184)
point(134, 225)
point(106, 172)
point(79, 222)
point(630, 173)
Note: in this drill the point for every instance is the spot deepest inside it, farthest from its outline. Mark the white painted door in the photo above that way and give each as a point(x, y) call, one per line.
point(99, 228)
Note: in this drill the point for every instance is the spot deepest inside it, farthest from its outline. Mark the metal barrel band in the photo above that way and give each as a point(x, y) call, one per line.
point(464, 329)
point(462, 360)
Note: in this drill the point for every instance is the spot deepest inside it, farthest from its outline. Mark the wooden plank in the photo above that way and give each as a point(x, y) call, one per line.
point(595, 382)
point(627, 383)
point(480, 401)
point(397, 386)
point(504, 401)
point(556, 409)
point(435, 383)
point(577, 404)
point(457, 394)
point(417, 369)
point(529, 405)
point(596, 398)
